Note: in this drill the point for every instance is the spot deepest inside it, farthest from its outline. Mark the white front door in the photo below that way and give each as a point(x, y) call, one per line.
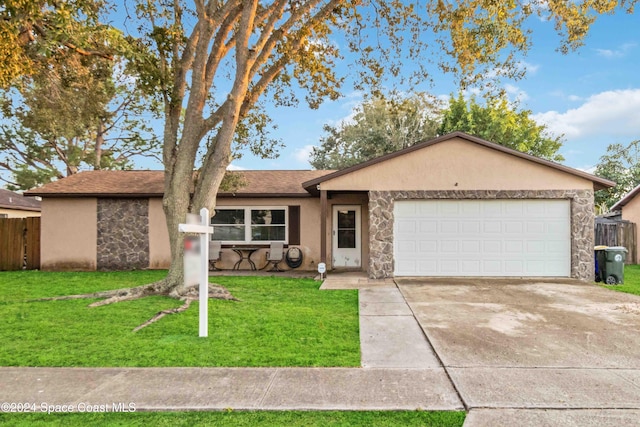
point(346, 236)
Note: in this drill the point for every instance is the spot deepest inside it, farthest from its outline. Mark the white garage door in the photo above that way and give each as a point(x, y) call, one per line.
point(482, 238)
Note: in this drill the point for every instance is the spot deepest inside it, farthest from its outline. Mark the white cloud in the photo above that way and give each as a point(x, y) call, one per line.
point(233, 167)
point(302, 154)
point(611, 113)
point(515, 92)
point(528, 67)
point(575, 98)
point(621, 51)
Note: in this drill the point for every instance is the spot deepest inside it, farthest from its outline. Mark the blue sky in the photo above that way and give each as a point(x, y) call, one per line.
point(592, 96)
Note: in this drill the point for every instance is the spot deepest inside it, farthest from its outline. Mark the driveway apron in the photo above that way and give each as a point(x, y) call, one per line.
point(533, 348)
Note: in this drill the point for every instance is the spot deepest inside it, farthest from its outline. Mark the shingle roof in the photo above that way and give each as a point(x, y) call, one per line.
point(11, 200)
point(150, 183)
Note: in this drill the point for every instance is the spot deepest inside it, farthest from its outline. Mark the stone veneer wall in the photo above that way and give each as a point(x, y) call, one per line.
point(123, 234)
point(381, 223)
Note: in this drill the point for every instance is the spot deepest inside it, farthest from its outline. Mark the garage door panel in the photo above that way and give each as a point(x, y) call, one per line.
point(428, 246)
point(406, 209)
point(407, 246)
point(449, 227)
point(536, 210)
point(471, 247)
point(470, 227)
point(513, 247)
point(427, 265)
point(428, 226)
point(406, 226)
point(450, 246)
point(535, 227)
point(472, 209)
point(514, 266)
point(492, 247)
point(491, 209)
point(513, 209)
point(494, 227)
point(491, 267)
point(449, 266)
point(482, 238)
point(468, 266)
point(535, 246)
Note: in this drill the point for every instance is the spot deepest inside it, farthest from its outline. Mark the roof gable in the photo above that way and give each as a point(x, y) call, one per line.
point(452, 162)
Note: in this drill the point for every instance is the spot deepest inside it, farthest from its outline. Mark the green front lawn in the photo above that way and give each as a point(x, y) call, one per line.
point(278, 322)
point(259, 418)
point(631, 281)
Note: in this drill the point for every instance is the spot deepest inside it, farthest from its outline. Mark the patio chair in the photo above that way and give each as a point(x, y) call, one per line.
point(215, 253)
point(275, 255)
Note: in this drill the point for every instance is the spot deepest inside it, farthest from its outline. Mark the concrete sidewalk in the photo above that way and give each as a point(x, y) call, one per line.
point(181, 389)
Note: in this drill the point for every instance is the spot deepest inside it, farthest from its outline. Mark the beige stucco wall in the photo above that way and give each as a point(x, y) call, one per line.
point(457, 164)
point(159, 251)
point(68, 234)
point(17, 213)
point(631, 212)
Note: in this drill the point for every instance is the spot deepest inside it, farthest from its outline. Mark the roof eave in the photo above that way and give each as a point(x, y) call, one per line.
point(263, 195)
point(104, 195)
point(20, 208)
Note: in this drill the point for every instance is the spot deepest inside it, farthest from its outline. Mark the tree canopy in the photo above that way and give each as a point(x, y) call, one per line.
point(73, 116)
point(210, 63)
point(620, 164)
point(497, 121)
point(378, 126)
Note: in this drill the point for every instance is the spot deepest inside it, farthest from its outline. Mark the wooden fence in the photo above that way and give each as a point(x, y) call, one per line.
point(621, 233)
point(19, 243)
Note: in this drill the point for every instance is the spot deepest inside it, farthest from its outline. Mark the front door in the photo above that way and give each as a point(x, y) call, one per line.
point(346, 236)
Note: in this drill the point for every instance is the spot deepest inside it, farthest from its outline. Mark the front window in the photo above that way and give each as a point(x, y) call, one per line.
point(250, 224)
point(229, 225)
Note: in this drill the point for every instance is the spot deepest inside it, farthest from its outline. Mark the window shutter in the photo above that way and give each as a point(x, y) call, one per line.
point(294, 225)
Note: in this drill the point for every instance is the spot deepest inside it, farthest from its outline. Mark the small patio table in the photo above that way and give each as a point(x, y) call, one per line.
point(245, 255)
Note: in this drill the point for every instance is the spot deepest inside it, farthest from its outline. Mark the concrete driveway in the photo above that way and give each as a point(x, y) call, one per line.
point(553, 352)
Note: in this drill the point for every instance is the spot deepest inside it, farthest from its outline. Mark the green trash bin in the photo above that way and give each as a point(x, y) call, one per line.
point(613, 273)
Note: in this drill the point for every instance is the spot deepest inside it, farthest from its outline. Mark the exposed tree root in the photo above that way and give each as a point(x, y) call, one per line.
point(187, 295)
point(116, 294)
point(159, 315)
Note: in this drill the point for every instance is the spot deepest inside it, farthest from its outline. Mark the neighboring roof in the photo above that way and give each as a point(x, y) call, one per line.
point(599, 183)
point(626, 199)
point(11, 200)
point(267, 183)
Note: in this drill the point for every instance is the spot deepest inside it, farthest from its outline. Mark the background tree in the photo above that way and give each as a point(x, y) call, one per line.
point(71, 116)
point(497, 121)
point(620, 164)
point(379, 126)
point(210, 62)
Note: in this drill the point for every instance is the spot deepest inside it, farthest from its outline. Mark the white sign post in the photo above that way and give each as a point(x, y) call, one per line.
point(204, 230)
